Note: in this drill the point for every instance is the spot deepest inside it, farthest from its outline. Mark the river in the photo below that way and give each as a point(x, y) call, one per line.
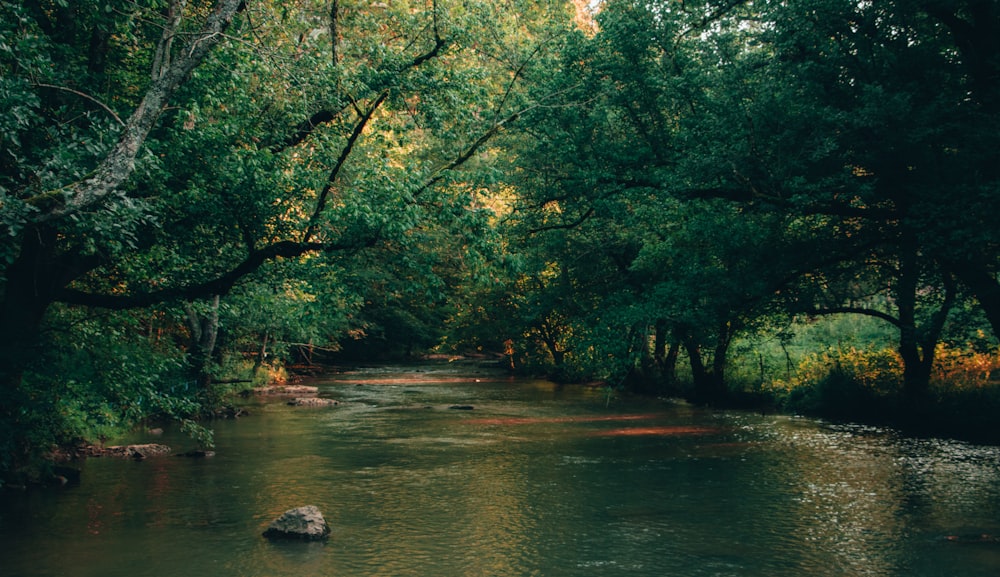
point(534, 480)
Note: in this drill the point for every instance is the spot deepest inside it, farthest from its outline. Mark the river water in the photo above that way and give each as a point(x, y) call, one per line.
point(535, 480)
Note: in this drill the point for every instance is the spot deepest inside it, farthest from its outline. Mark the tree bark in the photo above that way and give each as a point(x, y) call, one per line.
point(721, 356)
point(699, 374)
point(204, 332)
point(917, 343)
point(32, 280)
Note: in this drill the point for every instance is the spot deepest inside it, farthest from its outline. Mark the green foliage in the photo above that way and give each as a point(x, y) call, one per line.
point(290, 306)
point(309, 182)
point(467, 176)
point(98, 378)
point(715, 169)
point(845, 383)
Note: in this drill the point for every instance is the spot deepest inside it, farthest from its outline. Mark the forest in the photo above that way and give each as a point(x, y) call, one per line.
point(784, 205)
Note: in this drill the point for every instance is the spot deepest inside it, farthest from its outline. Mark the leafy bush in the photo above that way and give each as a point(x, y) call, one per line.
point(98, 378)
point(957, 369)
point(844, 384)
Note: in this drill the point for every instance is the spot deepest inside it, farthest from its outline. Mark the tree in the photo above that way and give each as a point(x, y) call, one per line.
point(68, 161)
point(885, 94)
point(848, 121)
point(169, 152)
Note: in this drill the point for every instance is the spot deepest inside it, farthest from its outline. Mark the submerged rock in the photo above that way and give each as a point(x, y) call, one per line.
point(137, 452)
point(279, 390)
point(302, 523)
point(197, 454)
point(312, 402)
point(462, 407)
point(62, 475)
point(982, 538)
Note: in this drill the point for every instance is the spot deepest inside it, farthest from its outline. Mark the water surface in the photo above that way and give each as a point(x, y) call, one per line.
point(536, 479)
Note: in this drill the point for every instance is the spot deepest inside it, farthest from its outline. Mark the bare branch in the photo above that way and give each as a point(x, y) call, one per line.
point(83, 95)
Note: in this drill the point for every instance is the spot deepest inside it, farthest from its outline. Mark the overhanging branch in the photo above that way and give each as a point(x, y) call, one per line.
point(858, 311)
point(85, 96)
point(220, 285)
point(304, 130)
point(468, 154)
point(569, 225)
point(344, 154)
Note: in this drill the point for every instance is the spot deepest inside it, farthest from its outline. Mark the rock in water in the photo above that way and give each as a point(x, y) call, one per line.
point(312, 402)
point(303, 523)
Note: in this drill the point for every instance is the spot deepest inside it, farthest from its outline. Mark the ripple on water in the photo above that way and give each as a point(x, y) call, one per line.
point(536, 480)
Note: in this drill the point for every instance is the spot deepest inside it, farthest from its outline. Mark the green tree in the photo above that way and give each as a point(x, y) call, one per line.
point(170, 151)
point(852, 120)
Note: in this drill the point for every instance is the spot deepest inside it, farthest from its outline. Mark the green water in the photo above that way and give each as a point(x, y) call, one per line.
point(535, 480)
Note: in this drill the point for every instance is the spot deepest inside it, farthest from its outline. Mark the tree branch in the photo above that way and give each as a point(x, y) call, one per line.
point(119, 164)
point(439, 43)
point(334, 31)
point(858, 311)
point(344, 154)
point(83, 95)
point(306, 128)
point(574, 224)
point(220, 285)
point(469, 152)
point(164, 49)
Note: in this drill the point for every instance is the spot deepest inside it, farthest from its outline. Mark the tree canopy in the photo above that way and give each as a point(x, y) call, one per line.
point(594, 190)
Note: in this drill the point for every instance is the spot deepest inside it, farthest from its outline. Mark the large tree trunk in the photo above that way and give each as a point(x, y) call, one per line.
point(31, 283)
point(916, 376)
point(204, 328)
point(720, 358)
point(26, 296)
point(33, 280)
point(917, 344)
point(709, 383)
point(665, 357)
point(700, 375)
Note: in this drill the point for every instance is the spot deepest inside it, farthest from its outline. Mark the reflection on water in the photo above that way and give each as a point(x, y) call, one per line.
point(535, 480)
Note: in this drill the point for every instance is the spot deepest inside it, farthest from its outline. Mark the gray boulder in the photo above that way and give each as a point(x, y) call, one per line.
point(302, 523)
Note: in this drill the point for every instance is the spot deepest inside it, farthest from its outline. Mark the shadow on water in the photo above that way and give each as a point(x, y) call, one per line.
point(533, 479)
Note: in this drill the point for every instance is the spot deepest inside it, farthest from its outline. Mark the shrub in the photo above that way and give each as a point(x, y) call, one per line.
point(847, 383)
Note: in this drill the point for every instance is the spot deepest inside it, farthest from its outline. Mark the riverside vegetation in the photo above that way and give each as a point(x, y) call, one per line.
point(788, 205)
